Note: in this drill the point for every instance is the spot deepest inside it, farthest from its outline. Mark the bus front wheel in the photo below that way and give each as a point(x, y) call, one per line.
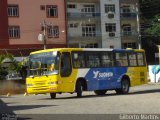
point(100, 92)
point(53, 95)
point(79, 89)
point(124, 87)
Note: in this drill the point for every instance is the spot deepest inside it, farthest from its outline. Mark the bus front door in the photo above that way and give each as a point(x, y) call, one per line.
point(66, 76)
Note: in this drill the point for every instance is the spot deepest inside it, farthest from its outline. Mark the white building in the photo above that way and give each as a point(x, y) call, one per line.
point(110, 23)
point(102, 23)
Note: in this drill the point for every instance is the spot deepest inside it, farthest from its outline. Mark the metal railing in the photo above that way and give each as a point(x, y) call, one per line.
point(82, 15)
point(128, 15)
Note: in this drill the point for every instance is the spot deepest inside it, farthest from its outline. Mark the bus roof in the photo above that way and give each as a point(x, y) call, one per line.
point(72, 49)
point(87, 49)
point(130, 50)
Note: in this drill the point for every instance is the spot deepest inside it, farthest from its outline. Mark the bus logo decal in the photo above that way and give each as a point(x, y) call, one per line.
point(98, 74)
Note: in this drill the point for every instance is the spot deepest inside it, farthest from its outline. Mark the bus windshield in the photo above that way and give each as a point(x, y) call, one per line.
point(43, 64)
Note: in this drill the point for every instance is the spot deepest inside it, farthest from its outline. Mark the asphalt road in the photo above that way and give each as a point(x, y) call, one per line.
point(141, 100)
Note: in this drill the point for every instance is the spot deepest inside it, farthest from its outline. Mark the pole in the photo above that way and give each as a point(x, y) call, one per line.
point(44, 33)
point(138, 27)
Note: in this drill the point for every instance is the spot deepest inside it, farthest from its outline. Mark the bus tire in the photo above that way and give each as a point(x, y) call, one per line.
point(100, 92)
point(79, 89)
point(125, 85)
point(53, 95)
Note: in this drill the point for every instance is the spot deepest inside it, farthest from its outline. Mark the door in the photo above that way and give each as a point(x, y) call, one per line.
point(67, 74)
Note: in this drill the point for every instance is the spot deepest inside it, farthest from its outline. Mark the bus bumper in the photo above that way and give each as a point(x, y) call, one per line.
point(41, 90)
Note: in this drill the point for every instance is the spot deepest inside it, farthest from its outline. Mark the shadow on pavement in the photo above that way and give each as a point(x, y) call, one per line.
point(7, 112)
point(145, 91)
point(110, 94)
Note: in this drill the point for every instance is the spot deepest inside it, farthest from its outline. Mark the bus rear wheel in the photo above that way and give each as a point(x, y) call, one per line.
point(53, 95)
point(79, 89)
point(100, 92)
point(124, 87)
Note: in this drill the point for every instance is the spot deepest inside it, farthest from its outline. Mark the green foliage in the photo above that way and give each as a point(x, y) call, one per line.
point(149, 8)
point(154, 29)
point(13, 66)
point(150, 13)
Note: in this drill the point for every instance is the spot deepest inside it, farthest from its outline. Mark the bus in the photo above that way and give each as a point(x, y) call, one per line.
point(74, 70)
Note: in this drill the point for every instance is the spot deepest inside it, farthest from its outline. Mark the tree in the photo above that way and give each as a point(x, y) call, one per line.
point(154, 29)
point(13, 66)
point(150, 27)
point(3, 70)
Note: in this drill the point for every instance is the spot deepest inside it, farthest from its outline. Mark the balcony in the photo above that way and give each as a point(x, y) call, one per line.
point(129, 35)
point(78, 38)
point(129, 1)
point(84, 1)
point(128, 15)
point(83, 15)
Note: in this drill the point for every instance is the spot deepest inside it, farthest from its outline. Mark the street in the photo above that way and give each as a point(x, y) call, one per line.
point(141, 100)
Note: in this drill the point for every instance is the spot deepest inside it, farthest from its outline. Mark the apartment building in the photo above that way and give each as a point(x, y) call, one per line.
point(110, 24)
point(102, 23)
point(129, 10)
point(69, 23)
point(23, 20)
point(84, 25)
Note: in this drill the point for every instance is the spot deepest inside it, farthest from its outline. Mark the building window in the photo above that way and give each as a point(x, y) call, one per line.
point(52, 11)
point(89, 30)
point(71, 6)
point(53, 31)
point(109, 8)
point(73, 25)
point(14, 31)
point(126, 28)
point(126, 9)
point(129, 45)
point(88, 9)
point(92, 45)
point(13, 11)
point(110, 27)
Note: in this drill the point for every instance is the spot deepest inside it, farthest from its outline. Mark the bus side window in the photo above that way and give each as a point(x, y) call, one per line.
point(78, 59)
point(121, 59)
point(66, 68)
point(132, 59)
point(140, 59)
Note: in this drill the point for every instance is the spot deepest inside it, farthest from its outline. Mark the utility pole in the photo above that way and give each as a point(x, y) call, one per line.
point(138, 27)
point(44, 33)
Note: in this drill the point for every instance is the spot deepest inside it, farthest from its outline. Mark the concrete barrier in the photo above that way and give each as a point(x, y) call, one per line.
point(12, 87)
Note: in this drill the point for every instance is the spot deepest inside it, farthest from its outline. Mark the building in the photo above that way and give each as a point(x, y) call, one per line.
point(102, 23)
point(110, 24)
point(84, 25)
point(23, 20)
point(129, 13)
point(68, 23)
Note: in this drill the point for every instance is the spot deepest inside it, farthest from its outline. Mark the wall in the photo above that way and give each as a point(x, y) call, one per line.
point(106, 40)
point(30, 20)
point(3, 24)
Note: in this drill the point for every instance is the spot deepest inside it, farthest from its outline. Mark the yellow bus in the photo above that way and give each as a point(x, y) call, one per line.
point(74, 70)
